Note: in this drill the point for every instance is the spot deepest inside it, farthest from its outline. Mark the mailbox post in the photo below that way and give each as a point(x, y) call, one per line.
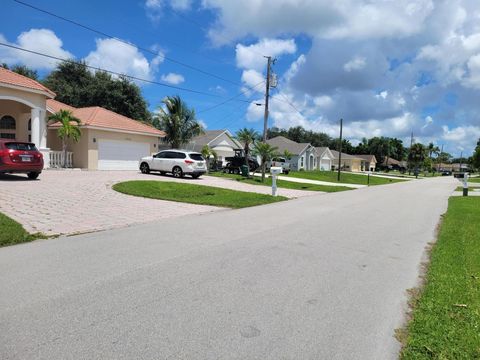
point(274, 171)
point(465, 184)
point(463, 177)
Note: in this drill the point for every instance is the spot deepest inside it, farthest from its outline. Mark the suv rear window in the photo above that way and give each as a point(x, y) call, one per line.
point(20, 146)
point(197, 157)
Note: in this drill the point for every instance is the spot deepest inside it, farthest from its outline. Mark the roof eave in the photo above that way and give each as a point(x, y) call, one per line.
point(25, 88)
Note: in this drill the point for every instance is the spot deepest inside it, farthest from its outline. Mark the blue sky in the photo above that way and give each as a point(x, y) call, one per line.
point(387, 68)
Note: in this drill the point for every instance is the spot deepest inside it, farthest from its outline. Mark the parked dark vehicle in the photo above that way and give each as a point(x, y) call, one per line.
point(20, 157)
point(446, 173)
point(234, 163)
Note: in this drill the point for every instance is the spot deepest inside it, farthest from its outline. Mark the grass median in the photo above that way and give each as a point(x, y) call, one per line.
point(445, 321)
point(347, 178)
point(282, 184)
point(11, 232)
point(194, 194)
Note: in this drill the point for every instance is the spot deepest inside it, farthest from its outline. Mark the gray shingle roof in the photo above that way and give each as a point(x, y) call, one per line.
point(345, 156)
point(282, 143)
point(320, 150)
point(198, 142)
point(369, 158)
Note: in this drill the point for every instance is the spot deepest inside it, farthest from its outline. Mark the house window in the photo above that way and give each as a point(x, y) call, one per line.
point(8, 126)
point(7, 136)
point(301, 162)
point(29, 130)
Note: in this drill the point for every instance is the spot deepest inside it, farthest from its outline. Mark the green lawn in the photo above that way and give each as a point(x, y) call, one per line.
point(281, 183)
point(194, 194)
point(475, 179)
point(12, 232)
point(446, 316)
point(348, 178)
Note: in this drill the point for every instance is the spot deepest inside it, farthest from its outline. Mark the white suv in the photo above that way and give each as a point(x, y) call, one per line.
point(177, 162)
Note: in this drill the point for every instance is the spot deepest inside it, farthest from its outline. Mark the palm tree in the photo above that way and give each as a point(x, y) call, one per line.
point(178, 121)
point(207, 153)
point(266, 153)
point(69, 129)
point(248, 137)
point(417, 155)
point(287, 154)
point(432, 149)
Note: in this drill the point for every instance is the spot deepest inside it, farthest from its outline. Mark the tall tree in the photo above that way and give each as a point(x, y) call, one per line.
point(417, 156)
point(178, 121)
point(69, 129)
point(476, 156)
point(266, 152)
point(247, 137)
point(77, 86)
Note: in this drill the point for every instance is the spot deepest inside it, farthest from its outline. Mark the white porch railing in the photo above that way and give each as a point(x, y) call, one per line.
point(56, 159)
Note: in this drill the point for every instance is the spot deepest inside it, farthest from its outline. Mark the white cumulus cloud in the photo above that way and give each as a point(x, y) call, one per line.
point(173, 78)
point(121, 58)
point(40, 40)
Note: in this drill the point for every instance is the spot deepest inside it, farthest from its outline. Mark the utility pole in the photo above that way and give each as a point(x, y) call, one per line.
point(267, 95)
point(340, 151)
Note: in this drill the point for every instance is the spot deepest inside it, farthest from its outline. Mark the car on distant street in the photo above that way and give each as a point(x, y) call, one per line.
point(20, 157)
point(177, 162)
point(279, 162)
point(446, 172)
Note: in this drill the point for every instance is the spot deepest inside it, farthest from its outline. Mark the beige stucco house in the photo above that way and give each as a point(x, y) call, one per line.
point(109, 140)
point(348, 162)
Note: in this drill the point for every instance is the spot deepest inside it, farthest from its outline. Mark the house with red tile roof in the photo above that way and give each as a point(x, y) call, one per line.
point(109, 141)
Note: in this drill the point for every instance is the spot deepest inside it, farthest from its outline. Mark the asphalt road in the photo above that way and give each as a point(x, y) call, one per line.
point(322, 277)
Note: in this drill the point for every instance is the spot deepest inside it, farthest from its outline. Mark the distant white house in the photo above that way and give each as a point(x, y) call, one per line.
point(304, 155)
point(324, 158)
point(221, 141)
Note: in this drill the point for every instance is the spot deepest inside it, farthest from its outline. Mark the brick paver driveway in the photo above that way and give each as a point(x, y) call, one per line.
point(73, 201)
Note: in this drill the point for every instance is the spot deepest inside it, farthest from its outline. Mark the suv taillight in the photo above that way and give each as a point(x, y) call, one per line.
point(189, 162)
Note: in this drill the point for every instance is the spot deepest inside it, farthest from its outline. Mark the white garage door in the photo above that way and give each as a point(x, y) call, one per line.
point(121, 155)
point(325, 164)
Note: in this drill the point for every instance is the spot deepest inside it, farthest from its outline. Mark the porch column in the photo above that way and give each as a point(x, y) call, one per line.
point(43, 130)
point(39, 134)
point(35, 118)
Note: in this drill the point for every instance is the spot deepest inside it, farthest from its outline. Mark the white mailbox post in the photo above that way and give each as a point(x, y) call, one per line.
point(274, 171)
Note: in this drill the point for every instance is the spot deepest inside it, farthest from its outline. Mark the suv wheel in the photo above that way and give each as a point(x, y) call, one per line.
point(144, 168)
point(177, 172)
point(33, 175)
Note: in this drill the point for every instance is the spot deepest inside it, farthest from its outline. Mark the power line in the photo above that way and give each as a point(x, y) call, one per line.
point(116, 73)
point(201, 27)
point(288, 102)
point(156, 53)
point(89, 28)
point(231, 99)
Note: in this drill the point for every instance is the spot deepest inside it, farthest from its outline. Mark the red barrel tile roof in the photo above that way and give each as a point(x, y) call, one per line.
point(97, 116)
point(12, 78)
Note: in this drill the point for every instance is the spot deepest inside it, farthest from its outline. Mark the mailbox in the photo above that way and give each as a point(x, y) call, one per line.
point(275, 170)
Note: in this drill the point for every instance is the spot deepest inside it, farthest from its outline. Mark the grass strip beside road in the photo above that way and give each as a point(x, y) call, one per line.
point(11, 232)
point(347, 178)
point(281, 183)
point(446, 316)
point(194, 194)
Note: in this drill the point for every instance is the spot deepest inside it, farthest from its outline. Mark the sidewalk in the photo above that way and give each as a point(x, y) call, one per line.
point(315, 182)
